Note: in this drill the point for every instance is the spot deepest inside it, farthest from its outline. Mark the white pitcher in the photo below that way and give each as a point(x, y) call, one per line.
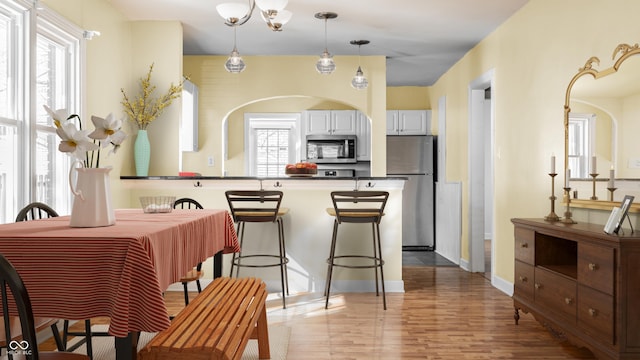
point(92, 201)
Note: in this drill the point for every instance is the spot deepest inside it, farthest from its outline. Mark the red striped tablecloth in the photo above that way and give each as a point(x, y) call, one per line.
point(118, 271)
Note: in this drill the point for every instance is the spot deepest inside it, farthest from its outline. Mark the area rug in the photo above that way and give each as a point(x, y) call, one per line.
point(103, 346)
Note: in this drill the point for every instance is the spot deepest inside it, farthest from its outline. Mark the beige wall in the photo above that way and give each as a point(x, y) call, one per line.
point(263, 85)
point(117, 59)
point(535, 54)
point(408, 98)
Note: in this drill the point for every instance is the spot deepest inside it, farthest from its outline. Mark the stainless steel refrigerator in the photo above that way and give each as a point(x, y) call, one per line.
point(413, 157)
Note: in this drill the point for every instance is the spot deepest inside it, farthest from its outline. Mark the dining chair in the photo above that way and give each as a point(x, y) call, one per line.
point(197, 273)
point(24, 344)
point(357, 207)
point(263, 206)
point(35, 211)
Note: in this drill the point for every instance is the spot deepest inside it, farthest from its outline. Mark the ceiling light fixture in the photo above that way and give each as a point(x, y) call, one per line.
point(325, 65)
point(272, 11)
point(359, 81)
point(234, 63)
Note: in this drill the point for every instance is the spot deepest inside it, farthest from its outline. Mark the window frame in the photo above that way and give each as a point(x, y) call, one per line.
point(587, 139)
point(32, 21)
point(253, 121)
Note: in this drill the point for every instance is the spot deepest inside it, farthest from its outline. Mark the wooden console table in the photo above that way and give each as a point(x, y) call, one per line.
point(580, 283)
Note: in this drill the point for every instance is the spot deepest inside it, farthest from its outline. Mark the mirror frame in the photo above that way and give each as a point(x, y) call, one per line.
point(624, 51)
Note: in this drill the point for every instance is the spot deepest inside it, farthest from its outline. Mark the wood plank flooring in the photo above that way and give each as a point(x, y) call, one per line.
point(445, 313)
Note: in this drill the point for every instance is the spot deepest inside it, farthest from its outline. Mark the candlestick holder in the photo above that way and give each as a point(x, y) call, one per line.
point(567, 214)
point(552, 217)
point(611, 190)
point(593, 196)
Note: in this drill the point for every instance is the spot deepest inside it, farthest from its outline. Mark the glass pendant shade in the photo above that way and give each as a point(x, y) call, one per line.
point(325, 65)
point(232, 12)
point(275, 22)
point(359, 81)
point(270, 5)
point(234, 63)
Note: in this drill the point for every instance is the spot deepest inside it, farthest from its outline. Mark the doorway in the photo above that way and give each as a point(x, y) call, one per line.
point(481, 152)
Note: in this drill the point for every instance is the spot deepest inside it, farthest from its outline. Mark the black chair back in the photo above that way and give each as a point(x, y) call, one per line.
point(10, 280)
point(35, 211)
point(187, 203)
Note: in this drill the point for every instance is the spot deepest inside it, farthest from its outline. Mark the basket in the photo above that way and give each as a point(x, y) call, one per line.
point(157, 204)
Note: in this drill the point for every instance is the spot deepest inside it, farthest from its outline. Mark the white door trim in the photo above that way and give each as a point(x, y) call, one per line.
point(476, 166)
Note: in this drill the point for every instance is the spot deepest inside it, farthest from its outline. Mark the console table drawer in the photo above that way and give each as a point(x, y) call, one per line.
point(556, 292)
point(525, 245)
point(524, 279)
point(596, 267)
point(595, 313)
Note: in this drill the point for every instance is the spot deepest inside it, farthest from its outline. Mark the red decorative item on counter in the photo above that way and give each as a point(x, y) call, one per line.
point(301, 169)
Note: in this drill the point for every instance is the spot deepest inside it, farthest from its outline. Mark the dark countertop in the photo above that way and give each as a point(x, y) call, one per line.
point(258, 178)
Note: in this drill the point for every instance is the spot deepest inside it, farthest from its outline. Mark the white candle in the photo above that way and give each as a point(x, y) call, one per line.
point(566, 178)
point(593, 165)
point(611, 178)
point(553, 164)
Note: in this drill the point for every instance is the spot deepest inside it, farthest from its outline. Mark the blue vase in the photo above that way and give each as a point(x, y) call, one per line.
point(142, 153)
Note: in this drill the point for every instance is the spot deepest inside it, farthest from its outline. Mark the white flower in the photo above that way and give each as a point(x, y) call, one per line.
point(81, 144)
point(105, 127)
point(74, 141)
point(116, 140)
point(59, 116)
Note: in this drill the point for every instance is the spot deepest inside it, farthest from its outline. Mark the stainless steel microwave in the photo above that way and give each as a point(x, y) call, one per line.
point(331, 149)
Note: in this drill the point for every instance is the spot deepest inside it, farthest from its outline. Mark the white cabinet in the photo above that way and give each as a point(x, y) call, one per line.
point(364, 137)
point(331, 122)
point(408, 122)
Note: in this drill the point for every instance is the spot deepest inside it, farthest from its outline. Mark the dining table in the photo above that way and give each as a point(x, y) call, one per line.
point(118, 271)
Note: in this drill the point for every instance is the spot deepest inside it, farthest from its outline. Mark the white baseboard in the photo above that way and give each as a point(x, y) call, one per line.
point(464, 265)
point(446, 256)
point(502, 284)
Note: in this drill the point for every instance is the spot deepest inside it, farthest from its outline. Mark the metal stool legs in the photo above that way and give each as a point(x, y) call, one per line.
point(236, 259)
point(378, 262)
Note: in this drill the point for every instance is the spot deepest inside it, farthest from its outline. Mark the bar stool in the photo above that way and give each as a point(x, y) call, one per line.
point(261, 206)
point(357, 207)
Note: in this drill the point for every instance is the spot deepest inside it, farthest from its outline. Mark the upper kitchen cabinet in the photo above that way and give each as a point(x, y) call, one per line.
point(330, 122)
point(364, 137)
point(408, 122)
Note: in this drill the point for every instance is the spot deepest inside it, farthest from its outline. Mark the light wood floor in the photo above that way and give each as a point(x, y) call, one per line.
point(445, 313)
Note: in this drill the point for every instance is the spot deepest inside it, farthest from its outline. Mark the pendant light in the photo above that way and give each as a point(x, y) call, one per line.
point(359, 82)
point(325, 65)
point(234, 63)
point(273, 12)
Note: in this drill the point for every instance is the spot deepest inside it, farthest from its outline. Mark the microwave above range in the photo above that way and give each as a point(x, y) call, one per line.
point(331, 149)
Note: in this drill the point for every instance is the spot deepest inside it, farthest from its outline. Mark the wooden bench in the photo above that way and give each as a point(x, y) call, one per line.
point(216, 325)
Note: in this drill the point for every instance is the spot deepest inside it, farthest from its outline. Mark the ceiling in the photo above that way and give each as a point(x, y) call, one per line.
point(421, 39)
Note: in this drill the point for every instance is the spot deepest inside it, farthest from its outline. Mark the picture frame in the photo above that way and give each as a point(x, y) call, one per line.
point(624, 211)
point(614, 217)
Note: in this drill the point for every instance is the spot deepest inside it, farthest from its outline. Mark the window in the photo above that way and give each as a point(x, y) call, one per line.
point(272, 151)
point(580, 143)
point(37, 47)
point(271, 142)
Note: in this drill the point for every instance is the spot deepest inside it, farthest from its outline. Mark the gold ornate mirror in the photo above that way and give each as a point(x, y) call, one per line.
point(601, 123)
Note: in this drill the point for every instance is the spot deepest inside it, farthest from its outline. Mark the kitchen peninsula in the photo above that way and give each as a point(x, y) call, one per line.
point(307, 226)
